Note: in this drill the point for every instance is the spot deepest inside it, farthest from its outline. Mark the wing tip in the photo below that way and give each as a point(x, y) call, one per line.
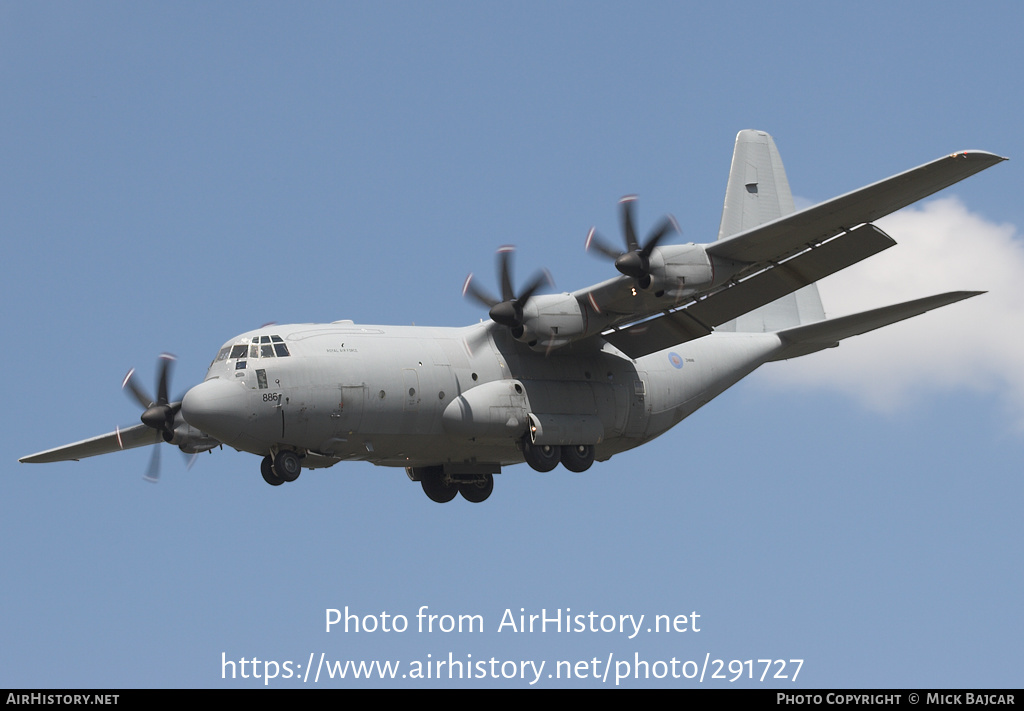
point(42, 458)
point(984, 156)
point(963, 295)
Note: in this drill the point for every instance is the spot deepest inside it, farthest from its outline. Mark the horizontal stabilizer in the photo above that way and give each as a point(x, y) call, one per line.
point(776, 239)
point(128, 438)
point(697, 319)
point(813, 337)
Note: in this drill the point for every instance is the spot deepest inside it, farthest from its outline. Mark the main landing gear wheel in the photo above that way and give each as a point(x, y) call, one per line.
point(477, 491)
point(287, 465)
point(577, 457)
point(542, 457)
point(436, 487)
point(267, 470)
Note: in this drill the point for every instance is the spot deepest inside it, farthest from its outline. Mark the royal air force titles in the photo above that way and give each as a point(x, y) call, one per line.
point(543, 621)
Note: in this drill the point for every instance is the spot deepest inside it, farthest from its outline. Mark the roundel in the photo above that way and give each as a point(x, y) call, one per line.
point(675, 360)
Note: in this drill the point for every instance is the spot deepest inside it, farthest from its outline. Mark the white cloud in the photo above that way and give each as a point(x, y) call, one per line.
point(976, 344)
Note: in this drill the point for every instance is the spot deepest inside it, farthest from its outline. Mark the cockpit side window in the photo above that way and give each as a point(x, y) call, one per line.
point(280, 349)
point(239, 351)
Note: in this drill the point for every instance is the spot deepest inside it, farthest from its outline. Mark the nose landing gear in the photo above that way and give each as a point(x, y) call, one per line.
point(285, 466)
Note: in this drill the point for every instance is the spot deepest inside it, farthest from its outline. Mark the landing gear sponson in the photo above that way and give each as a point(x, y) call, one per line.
point(286, 466)
point(442, 487)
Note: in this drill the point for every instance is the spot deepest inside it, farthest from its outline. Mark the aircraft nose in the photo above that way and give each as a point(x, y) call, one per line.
point(217, 407)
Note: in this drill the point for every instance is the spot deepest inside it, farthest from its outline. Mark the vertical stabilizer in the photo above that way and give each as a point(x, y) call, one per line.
point(758, 192)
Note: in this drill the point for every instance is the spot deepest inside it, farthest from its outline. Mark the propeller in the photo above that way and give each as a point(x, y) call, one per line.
point(158, 414)
point(508, 311)
point(635, 262)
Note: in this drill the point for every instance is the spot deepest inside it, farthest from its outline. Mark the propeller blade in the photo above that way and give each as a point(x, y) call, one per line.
point(596, 243)
point(505, 272)
point(635, 261)
point(167, 361)
point(190, 459)
point(666, 227)
point(153, 470)
point(140, 395)
point(627, 222)
point(479, 294)
point(541, 279)
point(159, 414)
point(509, 310)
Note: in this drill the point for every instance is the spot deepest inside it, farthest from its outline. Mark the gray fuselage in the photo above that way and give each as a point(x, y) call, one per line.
point(414, 396)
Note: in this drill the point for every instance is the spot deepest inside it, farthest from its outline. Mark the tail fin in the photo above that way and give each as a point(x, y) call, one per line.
point(758, 192)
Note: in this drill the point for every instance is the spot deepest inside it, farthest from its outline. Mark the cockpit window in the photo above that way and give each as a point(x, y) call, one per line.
point(260, 347)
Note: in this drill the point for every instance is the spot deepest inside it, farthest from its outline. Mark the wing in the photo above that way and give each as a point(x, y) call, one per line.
point(128, 438)
point(777, 239)
point(698, 318)
point(774, 259)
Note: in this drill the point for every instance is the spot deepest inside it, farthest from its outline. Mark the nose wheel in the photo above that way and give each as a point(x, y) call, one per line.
point(267, 470)
point(286, 466)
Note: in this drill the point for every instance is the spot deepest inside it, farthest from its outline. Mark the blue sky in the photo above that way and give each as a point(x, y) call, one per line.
point(175, 174)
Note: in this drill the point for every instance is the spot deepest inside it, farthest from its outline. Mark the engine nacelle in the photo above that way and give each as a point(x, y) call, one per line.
point(551, 321)
point(679, 271)
point(189, 439)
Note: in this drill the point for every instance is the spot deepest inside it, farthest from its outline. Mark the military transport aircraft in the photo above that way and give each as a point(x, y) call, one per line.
point(551, 378)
